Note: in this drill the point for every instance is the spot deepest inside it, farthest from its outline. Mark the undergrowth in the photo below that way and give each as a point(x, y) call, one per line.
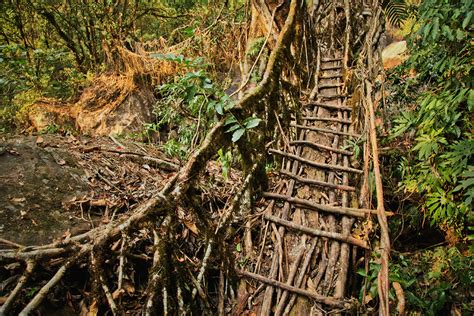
point(429, 162)
point(435, 281)
point(430, 108)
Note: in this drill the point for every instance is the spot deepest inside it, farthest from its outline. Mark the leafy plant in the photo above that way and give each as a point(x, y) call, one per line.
point(396, 11)
point(437, 122)
point(239, 128)
point(225, 160)
point(432, 280)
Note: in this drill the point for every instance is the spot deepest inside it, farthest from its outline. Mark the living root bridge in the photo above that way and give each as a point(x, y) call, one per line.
point(154, 227)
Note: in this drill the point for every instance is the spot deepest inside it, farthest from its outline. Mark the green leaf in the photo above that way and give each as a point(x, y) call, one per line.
point(233, 128)
point(230, 120)
point(460, 35)
point(238, 134)
point(190, 93)
point(207, 84)
point(253, 122)
point(220, 108)
point(470, 99)
point(434, 32)
point(467, 19)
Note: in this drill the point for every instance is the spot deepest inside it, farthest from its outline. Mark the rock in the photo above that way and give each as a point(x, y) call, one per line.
point(128, 117)
point(31, 212)
point(113, 105)
point(394, 54)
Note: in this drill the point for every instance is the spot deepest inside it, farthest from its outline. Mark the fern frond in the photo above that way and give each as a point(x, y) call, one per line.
point(396, 11)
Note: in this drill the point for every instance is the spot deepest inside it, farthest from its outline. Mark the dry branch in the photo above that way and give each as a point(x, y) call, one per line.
point(325, 119)
point(318, 298)
point(319, 146)
point(325, 130)
point(317, 232)
point(40, 296)
point(30, 265)
point(356, 212)
point(317, 182)
point(315, 164)
point(329, 106)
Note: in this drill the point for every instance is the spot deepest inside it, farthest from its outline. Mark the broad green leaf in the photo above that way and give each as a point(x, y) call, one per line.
point(467, 19)
point(252, 123)
point(233, 128)
point(230, 120)
point(238, 134)
point(220, 108)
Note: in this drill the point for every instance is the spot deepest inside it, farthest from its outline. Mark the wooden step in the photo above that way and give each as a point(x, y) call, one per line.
point(329, 106)
point(313, 182)
point(333, 96)
point(331, 68)
point(326, 119)
point(330, 301)
point(348, 211)
point(331, 59)
point(324, 130)
point(331, 76)
point(319, 146)
point(330, 85)
point(316, 232)
point(316, 164)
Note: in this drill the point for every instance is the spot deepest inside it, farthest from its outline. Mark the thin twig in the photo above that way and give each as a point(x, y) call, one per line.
point(30, 265)
point(203, 268)
point(10, 243)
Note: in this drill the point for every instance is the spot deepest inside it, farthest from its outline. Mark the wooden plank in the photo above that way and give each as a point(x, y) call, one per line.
point(317, 297)
point(325, 119)
point(333, 96)
point(349, 211)
point(317, 182)
point(331, 68)
point(332, 76)
point(330, 85)
point(316, 232)
point(329, 106)
point(324, 130)
point(315, 164)
point(331, 59)
point(319, 146)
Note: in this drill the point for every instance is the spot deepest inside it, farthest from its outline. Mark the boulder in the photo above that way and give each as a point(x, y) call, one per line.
point(394, 54)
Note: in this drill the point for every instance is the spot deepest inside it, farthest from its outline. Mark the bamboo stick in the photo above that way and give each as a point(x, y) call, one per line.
point(325, 119)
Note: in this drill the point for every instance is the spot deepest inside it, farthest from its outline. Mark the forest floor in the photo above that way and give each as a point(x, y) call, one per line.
point(52, 186)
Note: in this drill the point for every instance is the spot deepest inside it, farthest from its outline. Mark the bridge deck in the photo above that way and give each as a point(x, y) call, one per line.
point(308, 240)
